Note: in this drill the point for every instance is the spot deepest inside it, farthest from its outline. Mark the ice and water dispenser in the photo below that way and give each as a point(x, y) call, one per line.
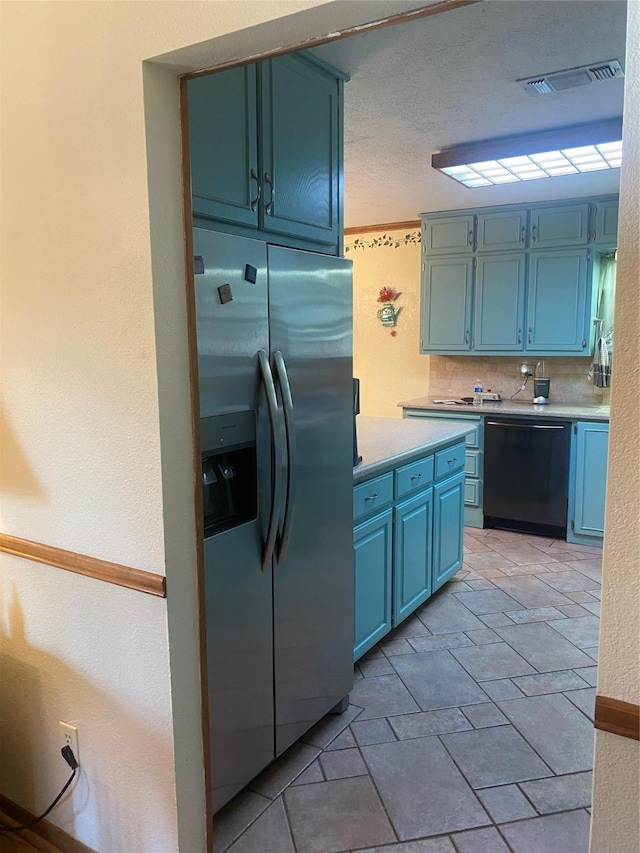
point(229, 471)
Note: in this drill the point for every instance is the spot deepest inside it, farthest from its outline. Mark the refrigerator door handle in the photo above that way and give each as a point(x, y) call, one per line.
point(287, 405)
point(276, 443)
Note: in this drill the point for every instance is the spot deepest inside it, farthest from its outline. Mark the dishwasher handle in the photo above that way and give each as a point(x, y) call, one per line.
point(524, 426)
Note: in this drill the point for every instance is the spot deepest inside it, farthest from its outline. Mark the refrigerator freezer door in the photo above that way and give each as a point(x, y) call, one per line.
point(231, 319)
point(311, 325)
point(237, 588)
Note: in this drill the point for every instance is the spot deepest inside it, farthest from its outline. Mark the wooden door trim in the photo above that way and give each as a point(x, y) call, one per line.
point(391, 20)
point(81, 564)
point(617, 717)
point(192, 344)
point(359, 29)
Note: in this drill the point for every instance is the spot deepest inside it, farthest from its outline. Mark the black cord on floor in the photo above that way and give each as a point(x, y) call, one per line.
point(69, 757)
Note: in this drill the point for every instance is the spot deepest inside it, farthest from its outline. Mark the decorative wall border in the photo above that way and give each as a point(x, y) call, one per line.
point(386, 240)
point(617, 717)
point(81, 564)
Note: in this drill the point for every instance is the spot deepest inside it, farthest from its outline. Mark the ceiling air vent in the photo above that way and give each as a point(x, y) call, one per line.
point(569, 78)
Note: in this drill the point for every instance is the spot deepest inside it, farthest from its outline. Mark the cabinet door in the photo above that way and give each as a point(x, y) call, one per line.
point(563, 225)
point(301, 143)
point(448, 517)
point(223, 144)
point(501, 231)
point(607, 222)
point(372, 549)
point(499, 302)
point(412, 554)
point(450, 235)
point(557, 313)
point(589, 478)
point(446, 305)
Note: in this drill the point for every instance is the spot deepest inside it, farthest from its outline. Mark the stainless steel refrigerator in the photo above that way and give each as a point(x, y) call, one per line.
point(274, 330)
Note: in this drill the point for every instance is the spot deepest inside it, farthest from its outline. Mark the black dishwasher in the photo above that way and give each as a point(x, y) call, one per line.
point(526, 475)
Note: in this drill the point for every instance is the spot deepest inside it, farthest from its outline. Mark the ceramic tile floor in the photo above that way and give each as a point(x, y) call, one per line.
point(469, 729)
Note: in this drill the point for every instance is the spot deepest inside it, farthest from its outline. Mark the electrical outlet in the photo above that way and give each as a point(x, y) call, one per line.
point(525, 370)
point(69, 734)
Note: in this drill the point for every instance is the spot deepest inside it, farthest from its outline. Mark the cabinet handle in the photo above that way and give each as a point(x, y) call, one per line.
point(466, 336)
point(529, 335)
point(451, 461)
point(470, 237)
point(522, 234)
point(519, 336)
point(416, 477)
point(534, 234)
point(269, 208)
point(253, 176)
point(371, 497)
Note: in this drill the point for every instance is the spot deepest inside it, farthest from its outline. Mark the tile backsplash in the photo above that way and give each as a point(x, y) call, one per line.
point(455, 376)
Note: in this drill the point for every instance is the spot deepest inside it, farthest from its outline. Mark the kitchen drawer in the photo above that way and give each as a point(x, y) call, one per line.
point(373, 495)
point(472, 492)
point(473, 462)
point(474, 439)
point(415, 476)
point(449, 460)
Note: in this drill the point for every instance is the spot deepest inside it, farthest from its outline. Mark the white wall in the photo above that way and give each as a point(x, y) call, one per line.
point(95, 413)
point(389, 366)
point(616, 791)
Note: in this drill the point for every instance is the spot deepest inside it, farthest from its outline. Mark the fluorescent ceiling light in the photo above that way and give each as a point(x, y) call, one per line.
point(567, 151)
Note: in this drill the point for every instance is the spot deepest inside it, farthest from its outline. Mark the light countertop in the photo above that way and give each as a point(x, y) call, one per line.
point(568, 411)
point(385, 443)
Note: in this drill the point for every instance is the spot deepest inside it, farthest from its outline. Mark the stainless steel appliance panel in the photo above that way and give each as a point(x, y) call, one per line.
point(237, 586)
point(311, 327)
point(229, 333)
point(239, 659)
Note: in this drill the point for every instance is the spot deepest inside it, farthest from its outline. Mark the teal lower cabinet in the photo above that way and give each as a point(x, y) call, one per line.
point(448, 516)
point(473, 464)
point(372, 550)
point(587, 483)
point(412, 554)
point(407, 540)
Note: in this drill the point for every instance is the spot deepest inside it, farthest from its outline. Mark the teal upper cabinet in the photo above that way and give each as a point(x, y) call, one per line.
point(606, 229)
point(301, 150)
point(266, 151)
point(449, 235)
point(588, 479)
point(224, 145)
point(556, 320)
point(560, 225)
point(498, 232)
point(521, 277)
point(499, 302)
point(446, 305)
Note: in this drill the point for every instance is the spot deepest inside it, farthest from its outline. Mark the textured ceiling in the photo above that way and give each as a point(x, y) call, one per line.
point(443, 80)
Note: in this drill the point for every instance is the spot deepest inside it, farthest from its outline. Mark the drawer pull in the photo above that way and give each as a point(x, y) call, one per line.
point(371, 497)
point(416, 477)
point(452, 461)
